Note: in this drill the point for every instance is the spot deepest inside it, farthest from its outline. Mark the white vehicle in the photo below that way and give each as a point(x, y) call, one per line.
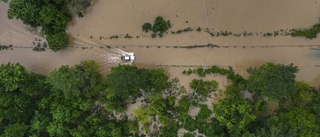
point(127, 58)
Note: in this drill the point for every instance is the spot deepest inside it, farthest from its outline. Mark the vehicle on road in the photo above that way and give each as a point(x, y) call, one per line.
point(127, 58)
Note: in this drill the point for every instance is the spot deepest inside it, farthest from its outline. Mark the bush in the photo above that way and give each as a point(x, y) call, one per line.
point(201, 72)
point(198, 29)
point(160, 25)
point(3, 47)
point(147, 27)
point(309, 33)
point(204, 87)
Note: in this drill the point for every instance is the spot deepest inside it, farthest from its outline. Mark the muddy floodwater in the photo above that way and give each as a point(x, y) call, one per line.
point(90, 36)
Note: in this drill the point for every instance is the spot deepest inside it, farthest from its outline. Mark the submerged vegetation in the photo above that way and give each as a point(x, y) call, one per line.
point(159, 27)
point(78, 101)
point(309, 33)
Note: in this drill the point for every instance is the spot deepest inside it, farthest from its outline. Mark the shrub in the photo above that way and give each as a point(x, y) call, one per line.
point(38, 49)
point(128, 36)
point(146, 27)
point(153, 35)
point(204, 87)
point(160, 25)
point(198, 29)
point(3, 47)
point(309, 33)
point(189, 72)
point(184, 72)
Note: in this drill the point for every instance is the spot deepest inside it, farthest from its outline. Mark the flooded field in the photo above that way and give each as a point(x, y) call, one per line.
point(113, 17)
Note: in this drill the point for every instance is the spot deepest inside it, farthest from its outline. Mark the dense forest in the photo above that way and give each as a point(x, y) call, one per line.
point(79, 101)
point(52, 16)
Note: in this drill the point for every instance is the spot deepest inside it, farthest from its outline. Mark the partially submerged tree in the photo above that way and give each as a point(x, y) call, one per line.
point(78, 7)
point(50, 15)
point(147, 27)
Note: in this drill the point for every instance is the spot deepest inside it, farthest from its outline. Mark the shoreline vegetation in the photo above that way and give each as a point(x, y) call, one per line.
point(79, 101)
point(51, 16)
point(309, 33)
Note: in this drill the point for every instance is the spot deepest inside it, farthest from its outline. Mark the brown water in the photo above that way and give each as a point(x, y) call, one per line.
point(111, 17)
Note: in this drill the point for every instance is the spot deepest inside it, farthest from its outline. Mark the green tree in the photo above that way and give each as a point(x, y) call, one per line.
point(303, 92)
point(15, 130)
point(235, 114)
point(12, 76)
point(77, 80)
point(126, 83)
point(19, 94)
point(302, 121)
point(275, 81)
point(160, 25)
point(57, 41)
point(25, 10)
point(158, 79)
point(51, 16)
point(204, 87)
point(146, 27)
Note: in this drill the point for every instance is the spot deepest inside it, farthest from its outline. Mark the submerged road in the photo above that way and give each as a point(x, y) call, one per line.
point(307, 58)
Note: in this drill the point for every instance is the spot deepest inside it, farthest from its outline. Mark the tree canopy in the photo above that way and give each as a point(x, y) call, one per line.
point(78, 101)
point(51, 15)
point(275, 81)
point(126, 83)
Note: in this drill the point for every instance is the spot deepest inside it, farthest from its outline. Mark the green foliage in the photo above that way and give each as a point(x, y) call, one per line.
point(309, 33)
point(4, 47)
point(188, 29)
point(274, 130)
point(142, 114)
point(204, 87)
point(147, 27)
point(132, 125)
point(235, 114)
point(74, 81)
point(303, 92)
point(275, 81)
point(302, 121)
point(51, 16)
point(57, 41)
point(15, 130)
point(199, 29)
point(200, 72)
point(126, 82)
point(183, 107)
point(160, 25)
point(188, 134)
point(158, 79)
point(70, 102)
point(12, 76)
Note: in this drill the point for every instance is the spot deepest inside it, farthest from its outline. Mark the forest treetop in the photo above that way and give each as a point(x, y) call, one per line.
point(79, 101)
